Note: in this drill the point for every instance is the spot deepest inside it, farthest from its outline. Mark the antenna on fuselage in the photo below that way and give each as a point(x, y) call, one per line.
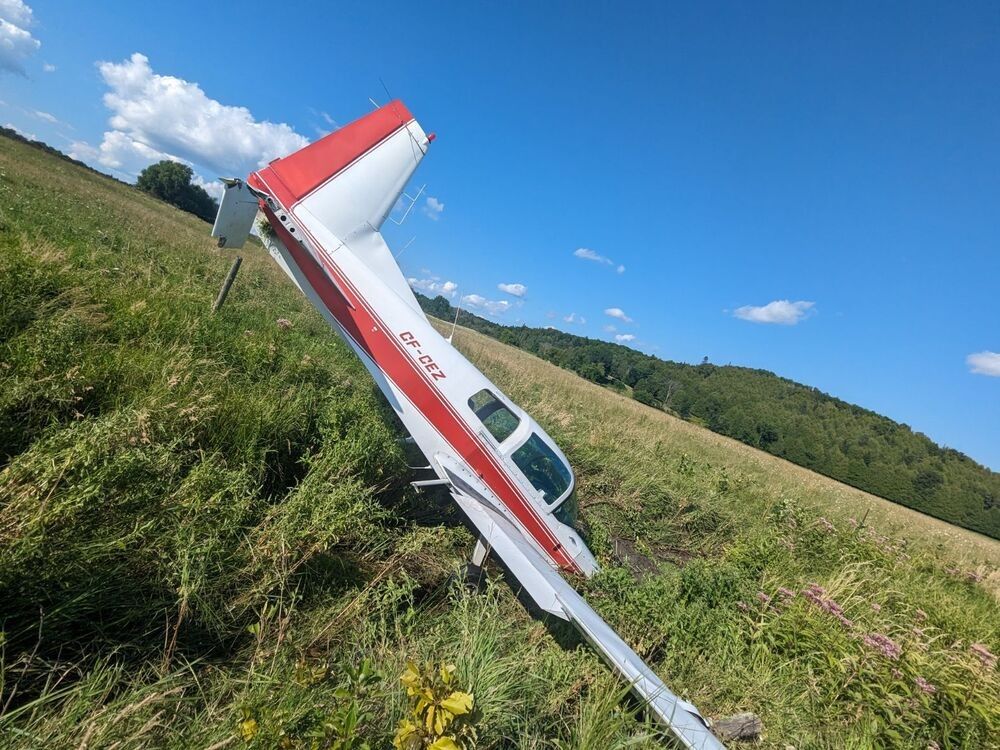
point(414, 237)
point(454, 324)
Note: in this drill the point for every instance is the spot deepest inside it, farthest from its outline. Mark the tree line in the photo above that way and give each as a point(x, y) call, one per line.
point(796, 422)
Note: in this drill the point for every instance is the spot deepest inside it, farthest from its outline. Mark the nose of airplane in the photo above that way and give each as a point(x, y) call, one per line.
point(582, 555)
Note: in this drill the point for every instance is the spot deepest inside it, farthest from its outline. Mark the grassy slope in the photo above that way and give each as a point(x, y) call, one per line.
point(199, 514)
point(786, 419)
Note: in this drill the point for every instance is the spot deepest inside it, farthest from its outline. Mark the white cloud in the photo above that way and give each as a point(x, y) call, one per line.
point(433, 208)
point(624, 338)
point(434, 286)
point(22, 133)
point(516, 290)
point(156, 116)
point(120, 152)
point(16, 42)
point(781, 311)
point(984, 363)
point(48, 68)
point(617, 312)
point(215, 188)
point(46, 116)
point(574, 318)
point(478, 302)
point(609, 328)
point(588, 254)
point(17, 13)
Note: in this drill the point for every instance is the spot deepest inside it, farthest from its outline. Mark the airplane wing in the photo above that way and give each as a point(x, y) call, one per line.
point(348, 182)
point(552, 593)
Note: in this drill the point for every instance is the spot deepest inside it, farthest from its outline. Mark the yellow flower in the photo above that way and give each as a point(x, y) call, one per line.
point(248, 729)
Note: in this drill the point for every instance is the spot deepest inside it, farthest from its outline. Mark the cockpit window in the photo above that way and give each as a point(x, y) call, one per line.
point(497, 418)
point(567, 511)
point(544, 469)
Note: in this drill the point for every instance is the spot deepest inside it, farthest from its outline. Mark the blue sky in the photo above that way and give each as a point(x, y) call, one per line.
point(810, 190)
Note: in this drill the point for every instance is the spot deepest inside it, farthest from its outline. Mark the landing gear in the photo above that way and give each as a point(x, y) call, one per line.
point(473, 575)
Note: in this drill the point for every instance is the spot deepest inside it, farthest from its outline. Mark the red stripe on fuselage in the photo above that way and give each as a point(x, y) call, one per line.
point(308, 168)
point(379, 343)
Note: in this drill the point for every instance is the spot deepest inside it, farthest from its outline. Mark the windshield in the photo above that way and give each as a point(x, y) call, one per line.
point(543, 468)
point(567, 510)
point(497, 418)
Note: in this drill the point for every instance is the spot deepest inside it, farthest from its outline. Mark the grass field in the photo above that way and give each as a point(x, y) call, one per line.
point(206, 529)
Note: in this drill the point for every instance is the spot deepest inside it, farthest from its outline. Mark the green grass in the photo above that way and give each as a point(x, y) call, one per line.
point(206, 518)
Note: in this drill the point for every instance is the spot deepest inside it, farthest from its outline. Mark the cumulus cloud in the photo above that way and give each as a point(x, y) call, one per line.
point(781, 312)
point(433, 208)
point(617, 312)
point(574, 318)
point(624, 338)
point(515, 290)
point(16, 42)
point(434, 286)
point(588, 254)
point(984, 363)
point(156, 116)
point(48, 68)
point(478, 302)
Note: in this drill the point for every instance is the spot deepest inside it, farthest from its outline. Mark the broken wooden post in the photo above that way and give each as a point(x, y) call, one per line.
point(230, 278)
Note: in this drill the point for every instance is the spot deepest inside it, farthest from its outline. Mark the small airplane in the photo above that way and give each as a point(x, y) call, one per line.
point(324, 206)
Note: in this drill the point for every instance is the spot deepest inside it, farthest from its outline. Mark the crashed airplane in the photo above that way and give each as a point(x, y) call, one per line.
point(325, 205)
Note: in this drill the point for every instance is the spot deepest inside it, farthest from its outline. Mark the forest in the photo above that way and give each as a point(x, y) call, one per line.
point(787, 419)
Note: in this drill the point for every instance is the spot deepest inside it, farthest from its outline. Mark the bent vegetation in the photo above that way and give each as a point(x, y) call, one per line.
point(207, 536)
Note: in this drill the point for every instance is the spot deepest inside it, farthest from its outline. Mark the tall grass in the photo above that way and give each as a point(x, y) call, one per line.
point(206, 529)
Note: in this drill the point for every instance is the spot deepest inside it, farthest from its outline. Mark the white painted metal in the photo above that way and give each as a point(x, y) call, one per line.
point(236, 213)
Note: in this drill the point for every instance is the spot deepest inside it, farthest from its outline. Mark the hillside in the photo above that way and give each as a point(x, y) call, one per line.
point(787, 419)
point(207, 536)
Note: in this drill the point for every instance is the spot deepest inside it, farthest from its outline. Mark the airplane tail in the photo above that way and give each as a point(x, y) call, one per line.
point(350, 180)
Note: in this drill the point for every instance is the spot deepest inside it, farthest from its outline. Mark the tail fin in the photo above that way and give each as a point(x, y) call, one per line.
point(351, 178)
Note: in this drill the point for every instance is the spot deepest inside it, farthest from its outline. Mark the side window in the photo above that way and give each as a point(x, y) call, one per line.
point(497, 418)
point(543, 468)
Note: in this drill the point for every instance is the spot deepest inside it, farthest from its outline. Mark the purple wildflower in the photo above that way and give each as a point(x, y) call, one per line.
point(764, 598)
point(786, 593)
point(925, 686)
point(817, 595)
point(974, 576)
point(742, 606)
point(984, 654)
point(884, 645)
point(824, 524)
point(852, 522)
point(876, 607)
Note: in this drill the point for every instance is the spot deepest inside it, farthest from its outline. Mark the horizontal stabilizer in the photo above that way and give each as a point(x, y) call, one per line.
point(236, 214)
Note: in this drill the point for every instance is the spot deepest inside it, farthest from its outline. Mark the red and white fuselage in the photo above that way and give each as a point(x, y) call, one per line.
point(325, 204)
